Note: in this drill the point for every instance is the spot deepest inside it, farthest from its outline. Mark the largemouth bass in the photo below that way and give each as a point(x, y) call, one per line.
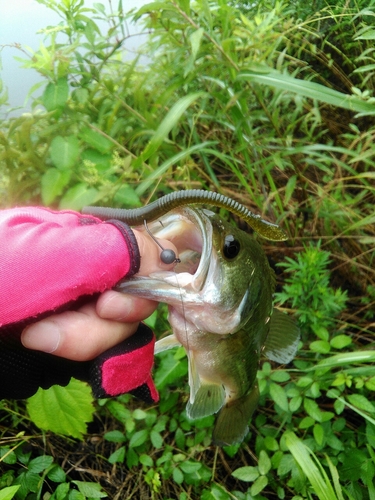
point(220, 309)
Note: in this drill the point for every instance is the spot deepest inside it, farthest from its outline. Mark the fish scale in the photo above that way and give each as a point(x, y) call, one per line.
point(221, 311)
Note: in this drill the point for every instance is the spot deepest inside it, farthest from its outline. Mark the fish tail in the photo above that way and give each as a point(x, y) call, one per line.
point(231, 425)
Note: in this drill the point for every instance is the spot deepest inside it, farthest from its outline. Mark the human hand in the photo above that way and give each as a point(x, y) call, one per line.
point(83, 334)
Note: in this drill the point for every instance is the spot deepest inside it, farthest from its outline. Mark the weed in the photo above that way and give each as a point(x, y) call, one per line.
point(272, 104)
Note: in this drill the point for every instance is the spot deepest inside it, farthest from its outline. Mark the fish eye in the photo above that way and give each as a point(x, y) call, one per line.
point(231, 247)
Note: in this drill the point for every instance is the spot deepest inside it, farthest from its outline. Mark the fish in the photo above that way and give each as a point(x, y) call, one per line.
point(220, 308)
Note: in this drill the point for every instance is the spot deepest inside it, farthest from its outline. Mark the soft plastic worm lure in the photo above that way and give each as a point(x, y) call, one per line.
point(137, 216)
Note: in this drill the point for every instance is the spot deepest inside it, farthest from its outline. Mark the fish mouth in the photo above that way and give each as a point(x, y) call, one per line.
point(190, 230)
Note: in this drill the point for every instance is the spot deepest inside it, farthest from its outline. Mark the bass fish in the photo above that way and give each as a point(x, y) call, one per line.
point(220, 306)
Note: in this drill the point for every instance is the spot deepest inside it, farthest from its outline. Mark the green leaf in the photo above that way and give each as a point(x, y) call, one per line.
point(258, 485)
point(7, 455)
point(96, 140)
point(321, 332)
point(76, 495)
point(265, 75)
point(118, 410)
point(156, 439)
point(339, 406)
point(151, 320)
point(139, 414)
point(318, 432)
point(289, 189)
point(370, 384)
point(280, 376)
point(127, 197)
point(117, 456)
point(63, 410)
point(178, 476)
point(90, 490)
point(278, 395)
point(9, 492)
point(78, 196)
point(53, 182)
point(295, 403)
point(102, 161)
point(39, 464)
point(306, 422)
point(248, 473)
point(56, 94)
point(188, 466)
point(64, 151)
point(369, 34)
point(195, 41)
point(361, 402)
point(312, 409)
point(180, 438)
point(146, 460)
point(149, 7)
point(170, 120)
point(138, 438)
point(115, 436)
point(57, 474)
point(321, 346)
point(170, 370)
point(216, 492)
point(341, 341)
point(271, 443)
point(264, 463)
point(62, 491)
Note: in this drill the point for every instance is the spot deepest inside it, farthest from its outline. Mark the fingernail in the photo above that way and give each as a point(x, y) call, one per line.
point(115, 306)
point(43, 336)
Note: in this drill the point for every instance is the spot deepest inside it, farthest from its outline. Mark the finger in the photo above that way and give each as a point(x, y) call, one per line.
point(150, 254)
point(121, 307)
point(78, 335)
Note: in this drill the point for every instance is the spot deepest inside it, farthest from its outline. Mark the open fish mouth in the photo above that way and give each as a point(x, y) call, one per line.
point(190, 230)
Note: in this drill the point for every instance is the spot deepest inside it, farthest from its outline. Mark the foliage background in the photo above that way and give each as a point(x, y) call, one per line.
point(271, 103)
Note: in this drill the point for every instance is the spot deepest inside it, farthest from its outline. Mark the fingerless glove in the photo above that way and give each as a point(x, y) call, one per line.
point(55, 261)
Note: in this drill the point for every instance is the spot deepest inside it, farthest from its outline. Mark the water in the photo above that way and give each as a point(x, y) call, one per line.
point(19, 22)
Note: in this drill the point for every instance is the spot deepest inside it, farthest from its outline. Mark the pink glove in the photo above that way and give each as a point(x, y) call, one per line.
point(53, 261)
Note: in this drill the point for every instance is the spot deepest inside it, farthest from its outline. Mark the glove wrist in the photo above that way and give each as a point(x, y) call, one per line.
point(131, 241)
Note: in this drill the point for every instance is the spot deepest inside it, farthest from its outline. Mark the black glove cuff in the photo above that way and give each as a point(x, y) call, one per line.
point(131, 241)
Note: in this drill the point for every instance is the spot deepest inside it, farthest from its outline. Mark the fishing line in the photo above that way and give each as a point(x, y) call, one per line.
point(187, 343)
point(167, 255)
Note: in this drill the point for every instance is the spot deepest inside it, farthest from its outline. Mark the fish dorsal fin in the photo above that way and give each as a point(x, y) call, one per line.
point(282, 340)
point(232, 423)
point(208, 400)
point(166, 343)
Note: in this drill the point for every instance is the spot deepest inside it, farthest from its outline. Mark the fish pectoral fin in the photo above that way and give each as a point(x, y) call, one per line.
point(194, 379)
point(208, 400)
point(283, 338)
point(232, 423)
point(166, 343)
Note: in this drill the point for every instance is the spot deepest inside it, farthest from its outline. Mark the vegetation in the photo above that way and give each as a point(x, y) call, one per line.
point(269, 102)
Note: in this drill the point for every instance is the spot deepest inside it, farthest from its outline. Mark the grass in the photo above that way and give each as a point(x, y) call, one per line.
point(271, 104)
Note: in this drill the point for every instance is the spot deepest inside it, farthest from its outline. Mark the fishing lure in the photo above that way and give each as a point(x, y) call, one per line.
point(137, 216)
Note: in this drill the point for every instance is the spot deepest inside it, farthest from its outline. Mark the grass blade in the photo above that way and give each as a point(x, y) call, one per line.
point(142, 188)
point(169, 121)
point(281, 81)
point(346, 358)
point(311, 467)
